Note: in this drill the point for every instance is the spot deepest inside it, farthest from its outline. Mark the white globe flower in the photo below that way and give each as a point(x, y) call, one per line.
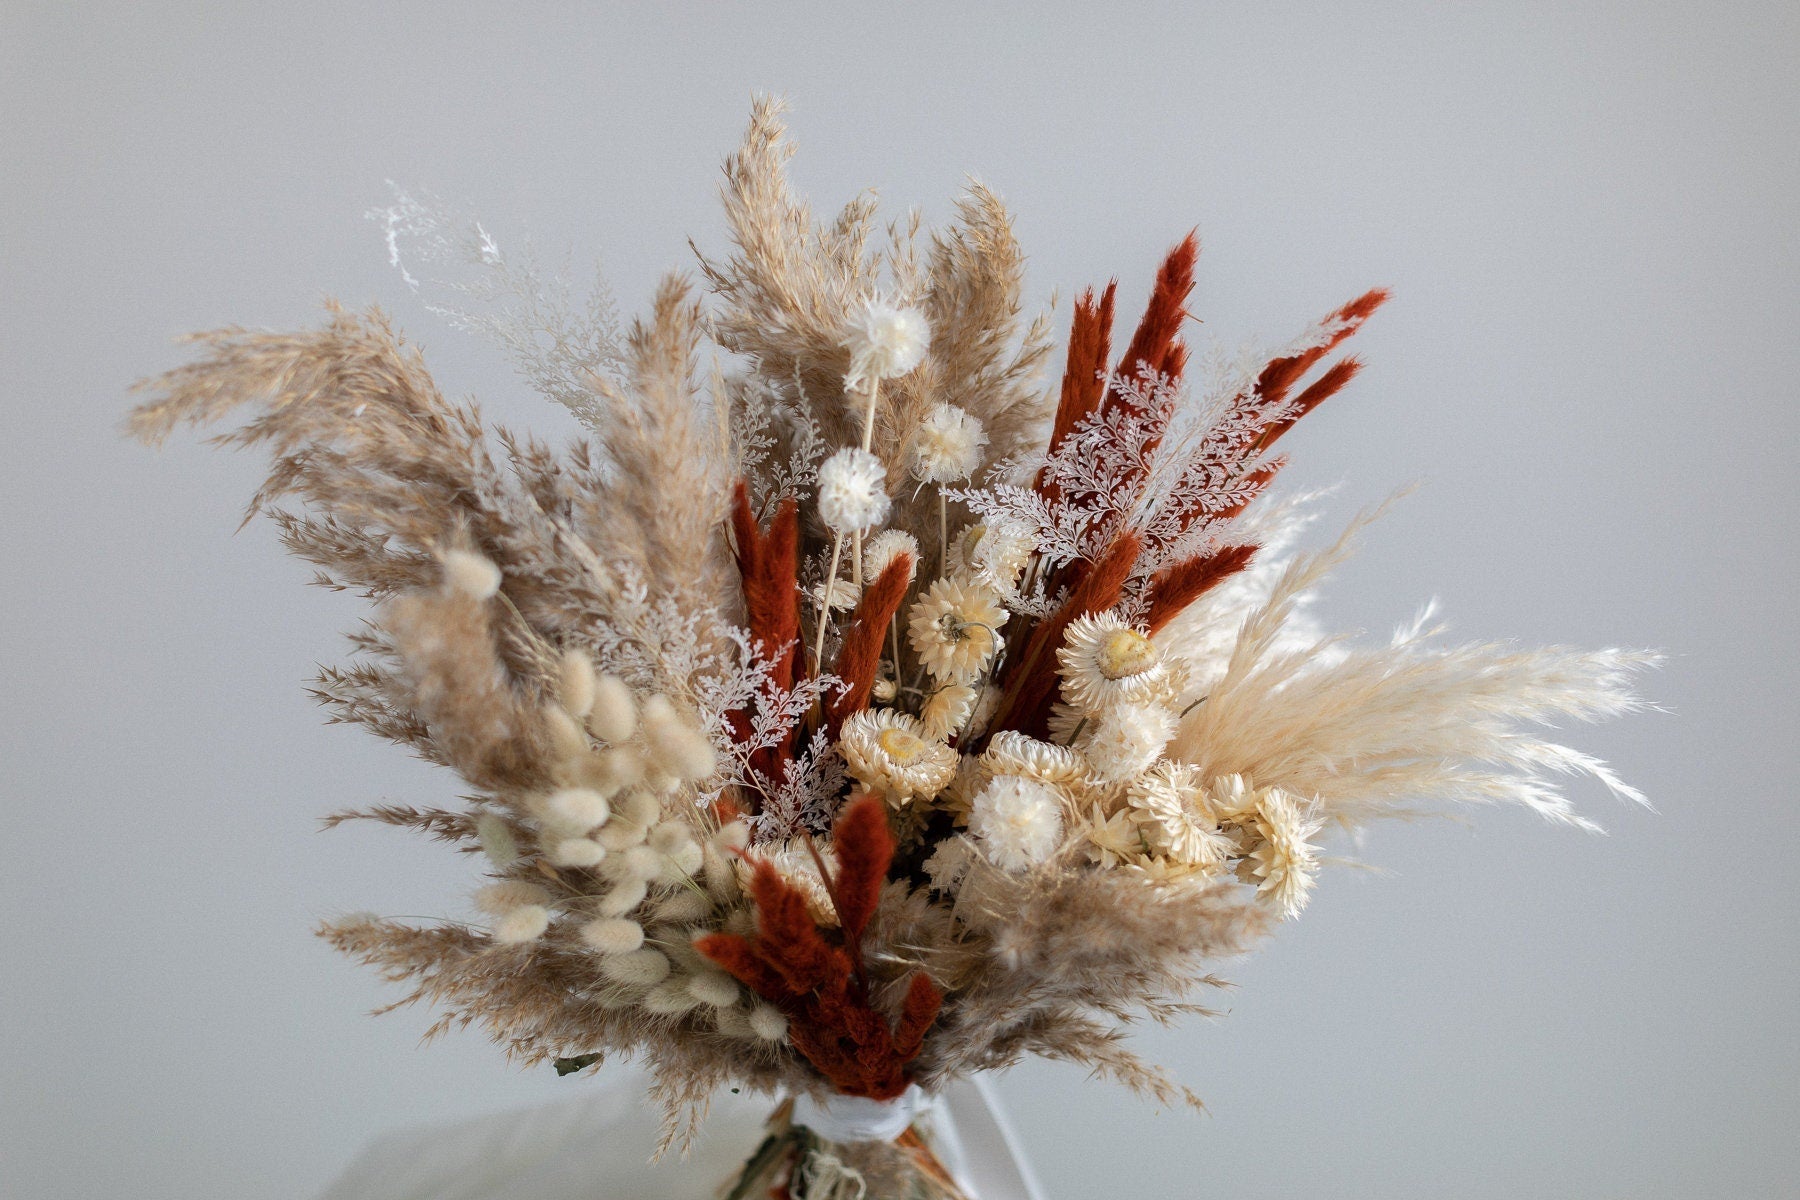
point(885, 341)
point(852, 491)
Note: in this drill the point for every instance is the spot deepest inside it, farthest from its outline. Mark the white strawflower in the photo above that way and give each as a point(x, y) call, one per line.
point(1123, 741)
point(1172, 811)
point(955, 629)
point(888, 752)
point(884, 548)
point(1112, 840)
point(997, 550)
point(852, 491)
point(1010, 752)
point(1018, 821)
point(1282, 862)
point(1104, 661)
point(885, 341)
point(946, 710)
point(947, 445)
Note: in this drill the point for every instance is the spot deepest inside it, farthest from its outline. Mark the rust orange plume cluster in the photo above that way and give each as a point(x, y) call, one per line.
point(1088, 387)
point(769, 564)
point(815, 976)
point(860, 652)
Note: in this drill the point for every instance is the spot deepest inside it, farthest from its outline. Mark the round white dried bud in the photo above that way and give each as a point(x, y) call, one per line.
point(612, 935)
point(767, 1023)
point(1126, 739)
point(612, 717)
point(713, 987)
point(885, 341)
point(884, 548)
point(526, 923)
point(947, 445)
point(641, 968)
point(577, 852)
point(471, 574)
point(852, 491)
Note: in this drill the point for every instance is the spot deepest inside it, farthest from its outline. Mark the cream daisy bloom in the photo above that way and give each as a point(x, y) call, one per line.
point(946, 446)
point(1282, 861)
point(885, 341)
point(1171, 809)
point(1112, 840)
point(946, 710)
point(1104, 661)
point(1123, 741)
point(955, 629)
point(1017, 821)
point(844, 595)
point(888, 751)
point(852, 491)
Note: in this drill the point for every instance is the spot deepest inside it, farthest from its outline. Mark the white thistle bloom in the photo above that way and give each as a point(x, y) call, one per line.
point(1104, 661)
point(1018, 821)
point(852, 491)
point(884, 548)
point(955, 629)
point(1282, 862)
point(885, 341)
point(997, 550)
point(947, 445)
point(1123, 741)
point(946, 710)
point(889, 752)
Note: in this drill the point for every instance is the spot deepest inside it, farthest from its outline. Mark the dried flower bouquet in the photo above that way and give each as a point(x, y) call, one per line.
point(847, 712)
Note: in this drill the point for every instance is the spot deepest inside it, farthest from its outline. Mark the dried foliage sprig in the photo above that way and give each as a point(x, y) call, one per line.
point(847, 709)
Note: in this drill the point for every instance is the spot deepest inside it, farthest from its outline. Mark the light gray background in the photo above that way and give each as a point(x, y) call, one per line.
point(1588, 215)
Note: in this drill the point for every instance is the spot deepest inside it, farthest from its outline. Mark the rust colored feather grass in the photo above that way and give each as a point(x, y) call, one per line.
point(1175, 588)
point(860, 652)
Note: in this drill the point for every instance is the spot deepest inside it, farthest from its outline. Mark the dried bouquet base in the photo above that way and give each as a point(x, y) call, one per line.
point(599, 1147)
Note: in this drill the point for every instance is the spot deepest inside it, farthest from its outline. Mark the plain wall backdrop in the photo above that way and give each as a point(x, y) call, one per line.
point(1587, 213)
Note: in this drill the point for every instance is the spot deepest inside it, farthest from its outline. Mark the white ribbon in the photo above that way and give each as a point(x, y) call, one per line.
point(858, 1119)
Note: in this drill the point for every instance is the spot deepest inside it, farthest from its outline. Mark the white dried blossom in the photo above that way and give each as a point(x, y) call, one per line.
point(843, 595)
point(884, 548)
point(1017, 821)
point(799, 870)
point(1104, 661)
point(947, 445)
point(885, 341)
point(946, 710)
point(852, 491)
point(1123, 741)
point(887, 751)
point(996, 551)
point(1010, 752)
point(955, 629)
point(1282, 861)
point(1173, 813)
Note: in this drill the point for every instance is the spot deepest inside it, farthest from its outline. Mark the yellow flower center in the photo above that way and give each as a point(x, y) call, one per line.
point(904, 748)
point(1125, 653)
